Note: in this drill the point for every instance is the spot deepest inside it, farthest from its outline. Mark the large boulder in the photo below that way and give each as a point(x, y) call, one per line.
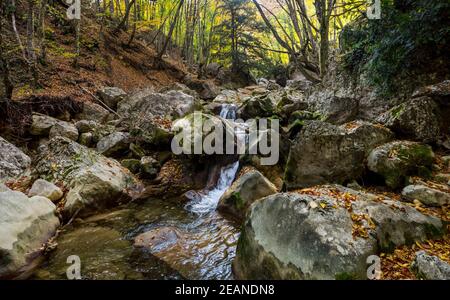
point(439, 92)
point(41, 124)
point(64, 129)
point(430, 267)
point(111, 96)
point(257, 106)
point(245, 190)
point(334, 109)
point(426, 195)
point(417, 119)
point(171, 104)
point(46, 189)
point(25, 225)
point(397, 160)
point(94, 181)
point(13, 162)
point(113, 144)
point(324, 233)
point(326, 153)
point(93, 112)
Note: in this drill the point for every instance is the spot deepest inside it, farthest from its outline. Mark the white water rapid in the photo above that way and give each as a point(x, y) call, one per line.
point(209, 200)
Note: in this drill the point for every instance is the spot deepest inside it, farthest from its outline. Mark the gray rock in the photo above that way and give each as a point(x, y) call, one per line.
point(86, 139)
point(312, 236)
point(417, 119)
point(258, 106)
point(95, 182)
point(25, 225)
point(4, 188)
point(179, 87)
point(334, 109)
point(13, 162)
point(41, 124)
point(284, 237)
point(113, 144)
point(245, 190)
point(171, 105)
point(111, 96)
point(325, 153)
point(426, 195)
point(93, 112)
point(134, 165)
point(85, 126)
point(439, 92)
point(150, 166)
point(430, 267)
point(397, 160)
point(45, 189)
point(64, 129)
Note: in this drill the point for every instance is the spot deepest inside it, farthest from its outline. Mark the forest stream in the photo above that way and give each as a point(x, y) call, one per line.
point(198, 242)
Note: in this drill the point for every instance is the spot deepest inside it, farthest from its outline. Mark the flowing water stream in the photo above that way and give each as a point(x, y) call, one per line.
point(199, 243)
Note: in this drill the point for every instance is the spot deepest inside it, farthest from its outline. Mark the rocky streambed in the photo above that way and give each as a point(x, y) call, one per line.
point(353, 181)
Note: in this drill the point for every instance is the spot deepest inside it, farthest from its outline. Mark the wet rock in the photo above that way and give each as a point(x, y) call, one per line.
point(114, 144)
point(167, 243)
point(326, 232)
point(95, 182)
point(25, 225)
point(103, 253)
point(46, 189)
point(430, 267)
point(111, 96)
point(417, 119)
point(41, 124)
point(245, 190)
point(13, 162)
point(426, 195)
point(64, 129)
point(326, 153)
point(399, 159)
point(150, 166)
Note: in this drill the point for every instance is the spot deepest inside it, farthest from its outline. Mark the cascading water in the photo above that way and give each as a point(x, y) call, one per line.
point(208, 201)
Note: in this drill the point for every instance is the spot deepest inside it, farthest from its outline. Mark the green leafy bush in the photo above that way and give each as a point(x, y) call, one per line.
point(412, 38)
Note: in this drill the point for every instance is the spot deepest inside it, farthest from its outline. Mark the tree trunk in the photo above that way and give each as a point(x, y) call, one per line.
point(169, 35)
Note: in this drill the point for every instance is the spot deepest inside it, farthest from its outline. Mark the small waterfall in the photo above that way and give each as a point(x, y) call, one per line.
point(209, 200)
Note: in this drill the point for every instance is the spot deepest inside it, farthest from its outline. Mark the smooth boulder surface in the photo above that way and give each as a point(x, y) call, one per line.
point(430, 267)
point(245, 190)
point(417, 119)
point(94, 181)
point(257, 106)
point(326, 232)
point(45, 189)
point(426, 195)
point(399, 159)
point(25, 225)
point(326, 153)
